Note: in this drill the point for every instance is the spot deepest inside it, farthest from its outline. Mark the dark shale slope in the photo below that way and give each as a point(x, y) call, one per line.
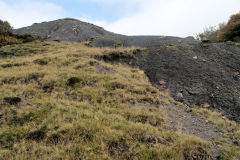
point(205, 75)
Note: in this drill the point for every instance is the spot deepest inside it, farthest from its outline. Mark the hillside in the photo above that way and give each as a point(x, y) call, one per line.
point(203, 74)
point(73, 30)
point(68, 30)
point(62, 100)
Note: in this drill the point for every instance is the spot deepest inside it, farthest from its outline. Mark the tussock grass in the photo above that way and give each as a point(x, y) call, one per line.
point(69, 110)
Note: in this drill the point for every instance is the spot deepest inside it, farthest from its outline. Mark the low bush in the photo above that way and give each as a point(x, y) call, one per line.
point(73, 80)
point(37, 135)
point(41, 61)
point(211, 33)
point(232, 30)
point(9, 38)
point(224, 32)
point(12, 100)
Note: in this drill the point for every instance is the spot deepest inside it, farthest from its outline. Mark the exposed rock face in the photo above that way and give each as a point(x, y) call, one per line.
point(212, 78)
point(74, 30)
point(66, 30)
point(204, 73)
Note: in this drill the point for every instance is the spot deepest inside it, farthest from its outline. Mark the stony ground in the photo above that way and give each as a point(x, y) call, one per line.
point(198, 74)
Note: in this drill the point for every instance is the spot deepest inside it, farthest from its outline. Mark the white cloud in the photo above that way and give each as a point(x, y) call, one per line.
point(26, 12)
point(173, 17)
point(153, 17)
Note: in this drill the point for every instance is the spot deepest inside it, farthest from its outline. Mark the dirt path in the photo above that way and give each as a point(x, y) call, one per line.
point(179, 119)
point(183, 121)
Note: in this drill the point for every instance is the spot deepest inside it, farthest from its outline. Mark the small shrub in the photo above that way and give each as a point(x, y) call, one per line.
point(37, 135)
point(56, 40)
point(92, 63)
point(54, 138)
point(73, 80)
point(25, 38)
point(12, 100)
point(8, 65)
point(206, 41)
point(41, 61)
point(118, 44)
point(147, 99)
point(48, 87)
point(88, 43)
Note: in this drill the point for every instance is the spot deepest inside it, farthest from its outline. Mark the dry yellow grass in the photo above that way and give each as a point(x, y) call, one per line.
point(70, 109)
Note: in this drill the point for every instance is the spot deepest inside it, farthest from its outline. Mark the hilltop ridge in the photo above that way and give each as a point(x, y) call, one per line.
point(67, 29)
point(74, 30)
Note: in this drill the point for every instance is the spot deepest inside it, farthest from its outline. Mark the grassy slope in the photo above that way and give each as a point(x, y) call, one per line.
point(70, 110)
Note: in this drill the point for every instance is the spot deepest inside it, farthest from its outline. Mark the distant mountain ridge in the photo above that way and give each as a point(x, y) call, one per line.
point(67, 29)
point(73, 30)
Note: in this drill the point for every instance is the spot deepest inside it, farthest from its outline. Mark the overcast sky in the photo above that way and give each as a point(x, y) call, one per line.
point(131, 17)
